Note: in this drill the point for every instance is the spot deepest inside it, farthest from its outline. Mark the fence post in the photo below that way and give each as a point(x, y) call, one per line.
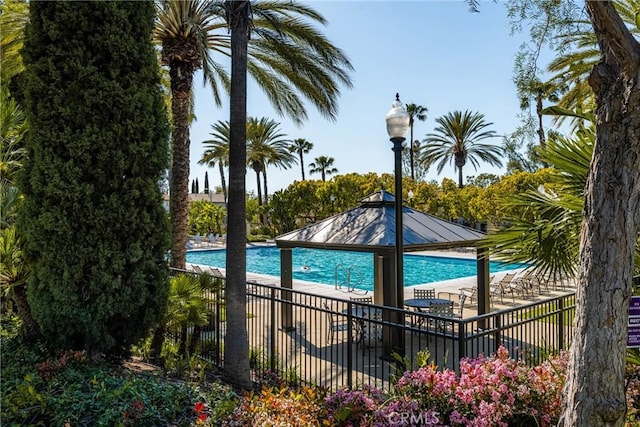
point(272, 343)
point(286, 282)
point(560, 323)
point(497, 335)
point(350, 344)
point(462, 343)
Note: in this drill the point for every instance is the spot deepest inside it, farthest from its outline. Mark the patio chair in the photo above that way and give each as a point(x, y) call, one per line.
point(444, 310)
point(364, 300)
point(371, 334)
point(424, 293)
point(336, 323)
point(458, 308)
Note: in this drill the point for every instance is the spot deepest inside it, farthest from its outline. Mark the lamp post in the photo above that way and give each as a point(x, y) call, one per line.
point(333, 199)
point(397, 125)
point(410, 194)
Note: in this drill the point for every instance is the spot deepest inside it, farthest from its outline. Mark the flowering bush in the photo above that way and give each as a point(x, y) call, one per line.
point(494, 390)
point(488, 391)
point(352, 407)
point(278, 407)
point(633, 395)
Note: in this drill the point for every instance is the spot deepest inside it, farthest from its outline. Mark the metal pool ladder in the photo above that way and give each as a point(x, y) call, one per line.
point(349, 278)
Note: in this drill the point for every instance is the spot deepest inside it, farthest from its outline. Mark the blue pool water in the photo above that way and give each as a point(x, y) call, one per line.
point(322, 264)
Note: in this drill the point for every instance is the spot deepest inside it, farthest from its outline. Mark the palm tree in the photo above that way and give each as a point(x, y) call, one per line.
point(185, 30)
point(324, 166)
point(301, 146)
point(236, 348)
point(455, 139)
point(266, 145)
point(415, 112)
point(217, 151)
point(286, 56)
point(534, 90)
point(548, 237)
point(186, 307)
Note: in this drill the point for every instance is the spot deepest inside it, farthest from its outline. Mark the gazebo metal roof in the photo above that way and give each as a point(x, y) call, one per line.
point(370, 227)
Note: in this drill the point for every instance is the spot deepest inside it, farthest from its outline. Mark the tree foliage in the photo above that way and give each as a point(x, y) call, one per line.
point(94, 229)
point(206, 217)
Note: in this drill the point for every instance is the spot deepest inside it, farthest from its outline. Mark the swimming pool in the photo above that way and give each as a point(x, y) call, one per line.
point(322, 264)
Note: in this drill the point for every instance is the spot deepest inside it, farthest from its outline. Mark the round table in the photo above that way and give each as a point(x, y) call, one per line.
point(425, 303)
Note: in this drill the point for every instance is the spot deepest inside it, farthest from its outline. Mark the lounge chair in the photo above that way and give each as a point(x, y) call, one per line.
point(502, 287)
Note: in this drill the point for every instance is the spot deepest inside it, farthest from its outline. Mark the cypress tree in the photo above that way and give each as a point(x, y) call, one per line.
point(206, 183)
point(94, 230)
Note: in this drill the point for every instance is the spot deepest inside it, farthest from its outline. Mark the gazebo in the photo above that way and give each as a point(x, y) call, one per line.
point(370, 227)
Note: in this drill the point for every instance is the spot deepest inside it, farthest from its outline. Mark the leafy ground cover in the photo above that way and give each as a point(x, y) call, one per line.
point(66, 389)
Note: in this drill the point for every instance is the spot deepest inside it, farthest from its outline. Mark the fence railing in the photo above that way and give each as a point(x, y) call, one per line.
point(334, 342)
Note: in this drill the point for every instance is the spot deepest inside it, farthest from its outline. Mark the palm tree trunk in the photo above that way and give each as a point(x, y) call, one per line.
point(182, 348)
point(29, 325)
point(236, 348)
point(266, 193)
point(266, 197)
point(541, 137)
point(195, 338)
point(181, 86)
point(258, 186)
point(460, 182)
point(413, 175)
point(223, 181)
point(301, 163)
point(157, 342)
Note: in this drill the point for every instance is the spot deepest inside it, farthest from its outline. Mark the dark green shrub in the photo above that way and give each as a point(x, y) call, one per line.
point(38, 389)
point(94, 230)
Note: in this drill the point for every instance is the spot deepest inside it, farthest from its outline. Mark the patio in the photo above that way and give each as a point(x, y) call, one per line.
point(305, 351)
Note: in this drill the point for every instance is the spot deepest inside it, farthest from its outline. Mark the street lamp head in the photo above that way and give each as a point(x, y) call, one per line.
point(410, 194)
point(397, 120)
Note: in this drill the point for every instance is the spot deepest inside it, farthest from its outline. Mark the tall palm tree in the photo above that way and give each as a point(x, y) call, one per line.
point(186, 32)
point(456, 139)
point(416, 112)
point(534, 90)
point(301, 146)
point(285, 55)
point(267, 146)
point(217, 151)
point(324, 166)
point(236, 348)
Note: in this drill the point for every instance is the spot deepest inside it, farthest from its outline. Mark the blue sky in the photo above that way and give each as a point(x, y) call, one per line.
point(434, 53)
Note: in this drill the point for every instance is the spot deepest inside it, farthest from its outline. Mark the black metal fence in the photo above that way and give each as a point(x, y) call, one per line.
point(334, 342)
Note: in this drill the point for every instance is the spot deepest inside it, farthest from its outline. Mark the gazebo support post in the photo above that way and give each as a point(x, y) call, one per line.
point(286, 282)
point(484, 303)
point(379, 279)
